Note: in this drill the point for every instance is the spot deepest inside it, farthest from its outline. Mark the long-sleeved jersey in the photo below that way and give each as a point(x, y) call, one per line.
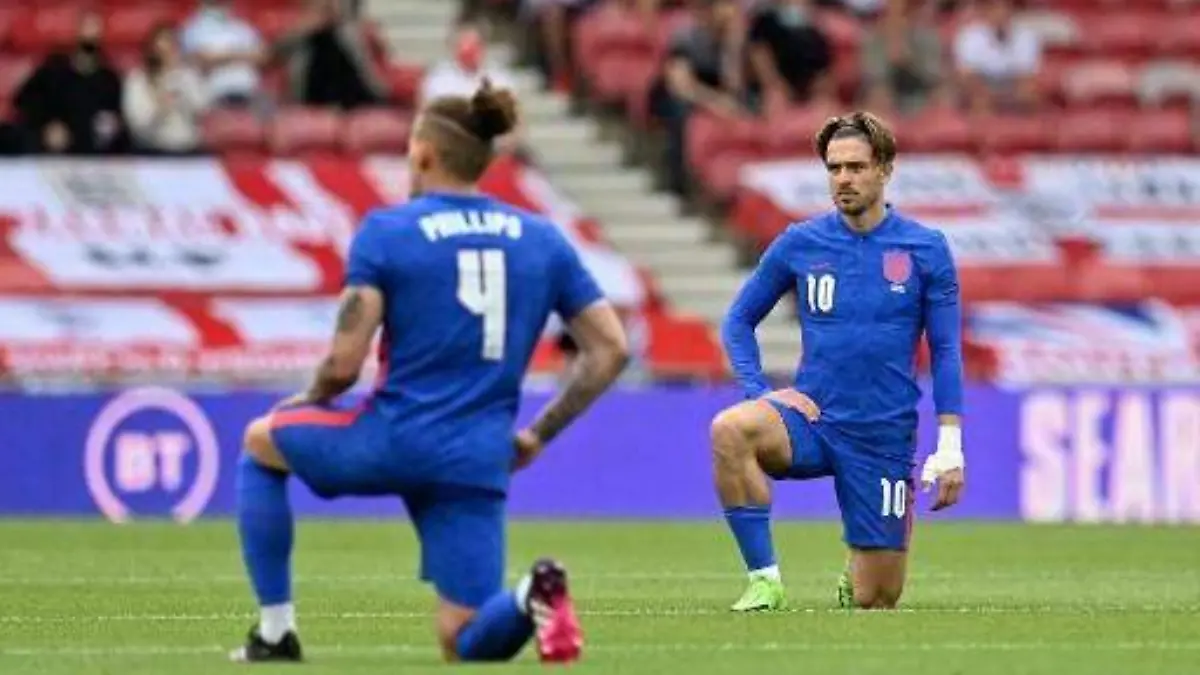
point(864, 301)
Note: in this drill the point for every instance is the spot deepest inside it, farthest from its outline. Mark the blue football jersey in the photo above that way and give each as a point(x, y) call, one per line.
point(865, 300)
point(468, 283)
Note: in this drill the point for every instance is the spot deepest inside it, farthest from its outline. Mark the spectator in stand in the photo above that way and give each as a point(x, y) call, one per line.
point(704, 70)
point(998, 60)
point(72, 103)
point(552, 20)
point(164, 99)
point(902, 58)
point(462, 72)
point(228, 51)
point(791, 60)
point(329, 59)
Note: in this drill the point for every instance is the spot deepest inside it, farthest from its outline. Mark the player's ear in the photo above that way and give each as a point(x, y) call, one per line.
point(885, 171)
point(422, 154)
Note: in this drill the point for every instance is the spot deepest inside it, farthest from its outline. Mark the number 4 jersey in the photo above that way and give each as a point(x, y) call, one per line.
point(469, 283)
point(864, 302)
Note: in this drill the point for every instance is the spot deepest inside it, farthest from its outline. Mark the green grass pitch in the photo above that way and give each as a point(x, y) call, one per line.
point(161, 599)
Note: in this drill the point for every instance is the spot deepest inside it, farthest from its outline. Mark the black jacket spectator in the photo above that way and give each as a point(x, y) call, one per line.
point(72, 102)
point(789, 55)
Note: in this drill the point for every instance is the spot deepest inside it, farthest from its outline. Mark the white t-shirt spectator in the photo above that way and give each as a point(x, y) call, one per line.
point(450, 79)
point(219, 32)
point(979, 49)
point(164, 115)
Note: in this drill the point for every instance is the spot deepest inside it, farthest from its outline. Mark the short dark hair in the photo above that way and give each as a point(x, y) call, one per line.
point(862, 125)
point(464, 129)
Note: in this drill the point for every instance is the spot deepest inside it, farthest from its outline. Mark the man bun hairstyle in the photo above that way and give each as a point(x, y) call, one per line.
point(463, 129)
point(862, 125)
point(493, 112)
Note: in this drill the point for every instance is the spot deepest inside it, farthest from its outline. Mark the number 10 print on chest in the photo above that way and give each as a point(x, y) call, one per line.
point(482, 290)
point(820, 293)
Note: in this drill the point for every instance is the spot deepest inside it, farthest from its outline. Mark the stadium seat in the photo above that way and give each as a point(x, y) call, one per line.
point(936, 129)
point(708, 136)
point(128, 27)
point(275, 22)
point(1162, 131)
point(1169, 82)
point(1014, 134)
point(46, 28)
point(232, 132)
point(1180, 37)
point(1127, 35)
point(8, 16)
point(366, 132)
point(304, 131)
point(404, 83)
point(1099, 82)
point(1092, 130)
point(790, 132)
point(13, 73)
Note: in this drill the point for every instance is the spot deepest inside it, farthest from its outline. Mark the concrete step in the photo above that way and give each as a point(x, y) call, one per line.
point(716, 286)
point(652, 239)
point(576, 133)
point(541, 109)
point(704, 258)
point(607, 184)
point(556, 159)
point(630, 207)
point(427, 12)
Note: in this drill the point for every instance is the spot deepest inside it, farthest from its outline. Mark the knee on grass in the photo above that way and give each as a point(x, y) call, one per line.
point(876, 598)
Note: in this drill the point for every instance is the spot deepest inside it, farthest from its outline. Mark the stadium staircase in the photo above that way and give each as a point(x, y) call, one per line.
point(696, 272)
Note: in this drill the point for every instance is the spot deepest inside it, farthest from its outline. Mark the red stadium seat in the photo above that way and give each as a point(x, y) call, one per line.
point(8, 17)
point(719, 173)
point(13, 73)
point(1169, 83)
point(232, 132)
point(1014, 134)
point(708, 135)
point(1092, 131)
point(375, 131)
point(1124, 35)
point(404, 83)
point(1180, 36)
point(46, 28)
point(1097, 82)
point(275, 22)
point(304, 131)
point(129, 27)
point(936, 129)
point(1161, 131)
point(790, 133)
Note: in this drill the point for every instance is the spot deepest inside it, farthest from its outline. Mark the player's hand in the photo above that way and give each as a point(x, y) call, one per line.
point(529, 446)
point(945, 469)
point(793, 399)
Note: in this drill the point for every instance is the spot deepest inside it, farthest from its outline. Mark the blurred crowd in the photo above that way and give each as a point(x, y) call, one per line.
point(755, 58)
point(90, 92)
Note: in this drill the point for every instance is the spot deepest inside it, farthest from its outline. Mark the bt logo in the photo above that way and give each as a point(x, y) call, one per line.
point(151, 449)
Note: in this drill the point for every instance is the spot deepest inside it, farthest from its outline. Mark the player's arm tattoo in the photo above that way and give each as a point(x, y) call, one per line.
point(358, 316)
point(584, 385)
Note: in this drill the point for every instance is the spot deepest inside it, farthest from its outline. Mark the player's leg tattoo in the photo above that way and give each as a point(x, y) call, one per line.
point(266, 529)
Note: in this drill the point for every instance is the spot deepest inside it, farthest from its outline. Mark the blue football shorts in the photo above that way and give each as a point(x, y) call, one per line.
point(874, 489)
point(350, 452)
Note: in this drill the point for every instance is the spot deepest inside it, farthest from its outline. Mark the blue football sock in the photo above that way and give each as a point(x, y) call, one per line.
point(265, 526)
point(497, 632)
point(751, 526)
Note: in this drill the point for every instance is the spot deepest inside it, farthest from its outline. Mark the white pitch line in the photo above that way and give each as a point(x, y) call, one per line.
point(152, 579)
point(618, 648)
point(1060, 610)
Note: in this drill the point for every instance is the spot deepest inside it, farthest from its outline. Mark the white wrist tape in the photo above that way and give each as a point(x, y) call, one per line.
point(949, 446)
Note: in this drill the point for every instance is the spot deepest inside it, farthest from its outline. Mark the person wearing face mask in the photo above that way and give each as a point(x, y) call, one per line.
point(462, 73)
point(791, 60)
point(228, 51)
point(72, 103)
point(164, 99)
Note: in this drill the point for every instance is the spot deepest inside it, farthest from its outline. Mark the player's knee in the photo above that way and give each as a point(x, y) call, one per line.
point(731, 435)
point(256, 442)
